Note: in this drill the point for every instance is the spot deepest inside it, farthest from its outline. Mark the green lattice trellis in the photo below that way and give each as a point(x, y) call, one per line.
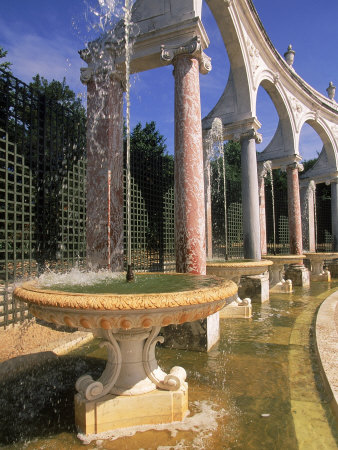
point(283, 232)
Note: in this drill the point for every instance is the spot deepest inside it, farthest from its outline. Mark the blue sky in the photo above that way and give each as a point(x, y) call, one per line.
point(43, 36)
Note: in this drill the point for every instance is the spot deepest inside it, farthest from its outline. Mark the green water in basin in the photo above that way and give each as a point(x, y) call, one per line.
point(232, 261)
point(262, 379)
point(143, 284)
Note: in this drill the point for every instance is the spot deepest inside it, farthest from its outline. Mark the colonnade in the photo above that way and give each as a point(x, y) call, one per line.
point(186, 41)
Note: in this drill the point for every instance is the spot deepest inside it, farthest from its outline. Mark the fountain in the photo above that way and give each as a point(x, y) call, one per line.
point(128, 324)
point(317, 260)
point(234, 269)
point(132, 389)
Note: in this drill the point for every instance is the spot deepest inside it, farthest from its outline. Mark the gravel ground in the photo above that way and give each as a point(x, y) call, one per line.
point(35, 336)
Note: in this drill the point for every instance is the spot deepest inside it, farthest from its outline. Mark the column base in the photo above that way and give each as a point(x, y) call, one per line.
point(298, 274)
point(255, 287)
point(199, 336)
point(112, 412)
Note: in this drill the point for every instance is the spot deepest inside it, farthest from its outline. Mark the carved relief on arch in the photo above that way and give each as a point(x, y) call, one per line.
point(297, 110)
point(335, 131)
point(254, 58)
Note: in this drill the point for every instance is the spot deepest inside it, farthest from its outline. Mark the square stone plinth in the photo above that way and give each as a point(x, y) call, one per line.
point(118, 411)
point(199, 336)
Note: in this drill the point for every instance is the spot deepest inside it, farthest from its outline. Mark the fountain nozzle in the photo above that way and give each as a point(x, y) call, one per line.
point(130, 274)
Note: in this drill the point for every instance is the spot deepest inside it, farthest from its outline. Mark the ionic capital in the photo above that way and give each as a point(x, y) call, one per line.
point(192, 48)
point(86, 74)
point(294, 165)
point(312, 186)
point(249, 134)
point(332, 181)
point(100, 55)
point(263, 169)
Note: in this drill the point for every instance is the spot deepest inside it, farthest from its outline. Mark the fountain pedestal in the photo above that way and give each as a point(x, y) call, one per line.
point(132, 390)
point(234, 270)
point(318, 273)
point(276, 272)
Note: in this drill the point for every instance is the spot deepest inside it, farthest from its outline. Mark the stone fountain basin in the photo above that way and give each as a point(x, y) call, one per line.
point(235, 269)
point(285, 259)
point(318, 256)
point(125, 311)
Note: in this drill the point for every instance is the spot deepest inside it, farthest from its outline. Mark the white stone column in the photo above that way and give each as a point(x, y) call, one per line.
point(250, 200)
point(307, 202)
point(263, 170)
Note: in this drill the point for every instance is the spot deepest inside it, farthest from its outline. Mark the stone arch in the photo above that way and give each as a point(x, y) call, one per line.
point(325, 133)
point(283, 142)
point(235, 103)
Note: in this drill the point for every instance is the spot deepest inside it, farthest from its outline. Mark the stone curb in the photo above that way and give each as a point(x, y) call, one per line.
point(327, 346)
point(19, 364)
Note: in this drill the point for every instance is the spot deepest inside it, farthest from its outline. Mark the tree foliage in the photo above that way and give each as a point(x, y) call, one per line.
point(147, 145)
point(152, 170)
point(59, 92)
point(5, 65)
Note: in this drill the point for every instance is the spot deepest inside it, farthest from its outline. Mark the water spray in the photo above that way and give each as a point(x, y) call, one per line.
point(108, 223)
point(127, 14)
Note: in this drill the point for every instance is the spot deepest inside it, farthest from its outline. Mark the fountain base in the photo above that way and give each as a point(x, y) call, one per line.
point(237, 309)
point(132, 390)
point(112, 412)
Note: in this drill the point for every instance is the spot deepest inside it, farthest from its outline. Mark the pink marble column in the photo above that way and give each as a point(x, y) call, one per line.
point(104, 154)
point(294, 210)
point(189, 182)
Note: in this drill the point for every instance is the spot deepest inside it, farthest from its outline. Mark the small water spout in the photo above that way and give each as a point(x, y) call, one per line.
point(269, 168)
point(217, 152)
point(130, 274)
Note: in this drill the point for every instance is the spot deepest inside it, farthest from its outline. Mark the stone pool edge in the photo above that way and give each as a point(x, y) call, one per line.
point(326, 332)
